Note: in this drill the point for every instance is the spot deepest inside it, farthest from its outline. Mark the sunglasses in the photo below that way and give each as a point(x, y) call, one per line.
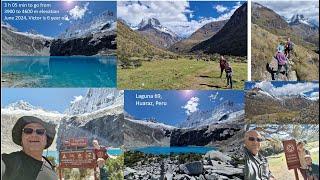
point(30, 131)
point(255, 139)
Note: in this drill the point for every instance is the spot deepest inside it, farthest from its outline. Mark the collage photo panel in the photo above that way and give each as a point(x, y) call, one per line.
point(159, 90)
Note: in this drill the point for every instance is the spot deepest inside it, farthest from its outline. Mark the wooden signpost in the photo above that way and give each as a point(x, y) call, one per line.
point(292, 156)
point(75, 155)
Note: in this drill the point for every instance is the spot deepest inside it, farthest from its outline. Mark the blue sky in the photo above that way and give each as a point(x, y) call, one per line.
point(72, 11)
point(179, 103)
point(53, 99)
point(283, 88)
point(182, 17)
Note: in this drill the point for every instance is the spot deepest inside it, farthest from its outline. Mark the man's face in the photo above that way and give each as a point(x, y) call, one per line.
point(308, 160)
point(95, 144)
point(35, 141)
point(253, 142)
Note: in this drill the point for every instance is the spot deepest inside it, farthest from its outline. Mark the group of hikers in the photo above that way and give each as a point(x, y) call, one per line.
point(282, 55)
point(34, 135)
point(257, 166)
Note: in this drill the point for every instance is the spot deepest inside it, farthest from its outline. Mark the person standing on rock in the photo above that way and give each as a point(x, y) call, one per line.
point(282, 62)
point(256, 165)
point(34, 135)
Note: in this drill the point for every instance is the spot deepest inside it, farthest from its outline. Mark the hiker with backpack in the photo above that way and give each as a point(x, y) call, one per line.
point(282, 62)
point(222, 63)
point(288, 48)
point(228, 70)
point(33, 135)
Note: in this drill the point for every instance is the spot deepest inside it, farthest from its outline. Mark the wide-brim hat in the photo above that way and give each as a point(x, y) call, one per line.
point(24, 120)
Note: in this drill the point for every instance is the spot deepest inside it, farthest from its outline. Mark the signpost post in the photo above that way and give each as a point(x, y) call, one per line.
point(292, 156)
point(76, 156)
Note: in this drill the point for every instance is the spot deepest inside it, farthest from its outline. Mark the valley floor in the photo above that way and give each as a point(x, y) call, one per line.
point(180, 74)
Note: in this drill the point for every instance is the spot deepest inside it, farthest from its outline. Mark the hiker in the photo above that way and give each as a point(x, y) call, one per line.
point(282, 62)
point(281, 47)
point(256, 165)
point(102, 169)
point(34, 135)
point(228, 70)
point(313, 169)
point(288, 47)
point(222, 64)
point(302, 152)
point(99, 151)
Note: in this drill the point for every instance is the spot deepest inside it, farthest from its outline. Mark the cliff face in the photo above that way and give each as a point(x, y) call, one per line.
point(15, 43)
point(99, 43)
point(107, 129)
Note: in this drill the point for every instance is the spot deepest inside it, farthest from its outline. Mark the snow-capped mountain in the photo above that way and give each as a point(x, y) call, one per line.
point(23, 107)
point(103, 23)
point(224, 112)
point(300, 19)
point(154, 23)
point(157, 34)
point(96, 99)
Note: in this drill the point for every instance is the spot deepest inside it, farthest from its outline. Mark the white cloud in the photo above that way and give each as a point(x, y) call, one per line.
point(76, 99)
point(220, 8)
point(172, 14)
point(288, 89)
point(310, 9)
point(192, 105)
point(78, 12)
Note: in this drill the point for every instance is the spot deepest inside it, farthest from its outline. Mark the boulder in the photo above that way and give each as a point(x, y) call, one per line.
point(192, 168)
point(216, 155)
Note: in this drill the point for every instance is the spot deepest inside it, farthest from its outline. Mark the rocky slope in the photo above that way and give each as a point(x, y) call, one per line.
point(231, 39)
point(98, 115)
point(157, 34)
point(263, 107)
point(227, 111)
point(202, 34)
point(138, 133)
point(18, 43)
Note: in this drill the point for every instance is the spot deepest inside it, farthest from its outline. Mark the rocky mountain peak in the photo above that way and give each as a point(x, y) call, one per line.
point(20, 105)
point(151, 22)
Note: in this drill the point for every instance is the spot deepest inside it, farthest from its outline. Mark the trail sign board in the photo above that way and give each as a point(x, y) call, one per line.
point(77, 159)
point(291, 153)
point(75, 142)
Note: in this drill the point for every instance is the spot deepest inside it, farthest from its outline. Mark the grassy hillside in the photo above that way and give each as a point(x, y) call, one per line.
point(131, 44)
point(264, 43)
point(180, 73)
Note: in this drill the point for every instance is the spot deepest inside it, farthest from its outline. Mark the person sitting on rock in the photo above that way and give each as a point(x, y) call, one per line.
point(228, 70)
point(34, 135)
point(256, 165)
point(282, 62)
point(313, 169)
point(222, 63)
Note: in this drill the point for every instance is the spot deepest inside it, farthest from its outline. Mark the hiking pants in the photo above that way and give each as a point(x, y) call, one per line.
point(229, 79)
point(285, 67)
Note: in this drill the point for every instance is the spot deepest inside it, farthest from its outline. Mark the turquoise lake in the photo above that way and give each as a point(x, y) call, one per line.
point(53, 71)
point(158, 150)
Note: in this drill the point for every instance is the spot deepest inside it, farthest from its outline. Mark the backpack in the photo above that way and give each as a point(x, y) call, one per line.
point(290, 46)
